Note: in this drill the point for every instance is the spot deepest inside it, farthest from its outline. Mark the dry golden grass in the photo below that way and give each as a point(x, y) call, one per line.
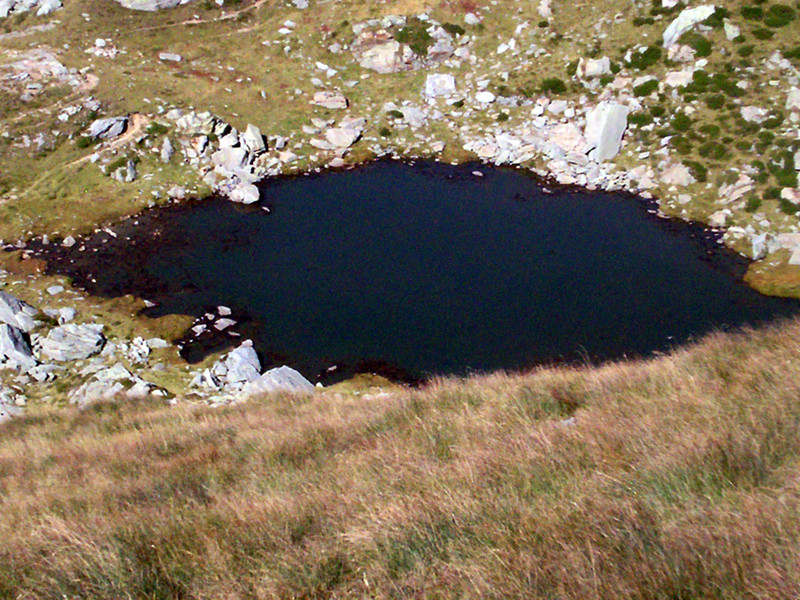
point(678, 478)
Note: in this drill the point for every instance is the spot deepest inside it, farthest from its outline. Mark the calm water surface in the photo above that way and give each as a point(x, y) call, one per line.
point(427, 268)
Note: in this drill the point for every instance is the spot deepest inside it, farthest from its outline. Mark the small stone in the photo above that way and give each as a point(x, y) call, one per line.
point(170, 57)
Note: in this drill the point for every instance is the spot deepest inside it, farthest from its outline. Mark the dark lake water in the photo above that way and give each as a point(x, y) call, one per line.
point(426, 269)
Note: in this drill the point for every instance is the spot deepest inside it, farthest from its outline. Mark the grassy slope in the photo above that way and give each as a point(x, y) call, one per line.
point(677, 479)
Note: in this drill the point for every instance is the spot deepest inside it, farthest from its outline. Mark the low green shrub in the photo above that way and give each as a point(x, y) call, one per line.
point(553, 85)
point(779, 15)
point(84, 141)
point(415, 35)
point(752, 13)
point(715, 101)
point(646, 58)
point(713, 150)
point(698, 170)
point(681, 122)
point(645, 89)
point(752, 204)
point(640, 119)
point(454, 29)
point(763, 34)
point(745, 51)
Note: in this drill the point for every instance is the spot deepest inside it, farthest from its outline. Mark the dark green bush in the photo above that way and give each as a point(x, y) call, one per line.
point(752, 204)
point(84, 141)
point(763, 34)
point(544, 23)
point(640, 119)
point(745, 51)
point(772, 193)
point(698, 170)
point(645, 59)
point(717, 19)
point(713, 150)
point(715, 101)
point(157, 129)
point(658, 110)
point(681, 122)
point(572, 68)
point(712, 131)
point(502, 117)
point(395, 114)
point(699, 43)
point(639, 21)
point(645, 89)
point(553, 85)
point(681, 144)
point(606, 79)
point(385, 132)
point(416, 35)
point(752, 13)
point(453, 29)
point(773, 122)
point(779, 15)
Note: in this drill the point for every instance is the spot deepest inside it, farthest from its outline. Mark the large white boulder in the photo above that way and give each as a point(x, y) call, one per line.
point(439, 84)
point(15, 352)
point(605, 126)
point(16, 312)
point(685, 21)
point(73, 342)
point(281, 379)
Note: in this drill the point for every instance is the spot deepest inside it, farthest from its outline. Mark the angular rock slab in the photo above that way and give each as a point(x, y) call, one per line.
point(439, 84)
point(685, 21)
point(281, 379)
point(149, 5)
point(15, 351)
point(16, 312)
point(605, 125)
point(73, 342)
point(106, 129)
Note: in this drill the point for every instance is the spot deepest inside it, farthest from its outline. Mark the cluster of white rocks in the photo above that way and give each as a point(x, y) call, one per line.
point(40, 7)
point(237, 376)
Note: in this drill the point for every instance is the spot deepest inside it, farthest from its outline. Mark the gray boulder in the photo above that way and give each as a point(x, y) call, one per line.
point(8, 410)
point(167, 151)
point(5, 7)
point(106, 129)
point(605, 126)
point(254, 140)
point(330, 99)
point(149, 5)
point(110, 383)
point(439, 84)
point(282, 379)
point(16, 312)
point(384, 58)
point(48, 6)
point(242, 364)
point(15, 351)
point(685, 21)
point(245, 193)
point(73, 342)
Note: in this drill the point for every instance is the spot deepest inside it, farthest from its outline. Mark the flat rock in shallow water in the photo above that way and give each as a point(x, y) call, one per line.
point(281, 379)
point(73, 342)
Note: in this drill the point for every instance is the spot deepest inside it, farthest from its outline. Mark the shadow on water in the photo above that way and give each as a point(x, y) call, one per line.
point(412, 270)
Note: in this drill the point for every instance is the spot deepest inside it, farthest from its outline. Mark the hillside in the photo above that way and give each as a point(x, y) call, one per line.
point(674, 477)
point(127, 472)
